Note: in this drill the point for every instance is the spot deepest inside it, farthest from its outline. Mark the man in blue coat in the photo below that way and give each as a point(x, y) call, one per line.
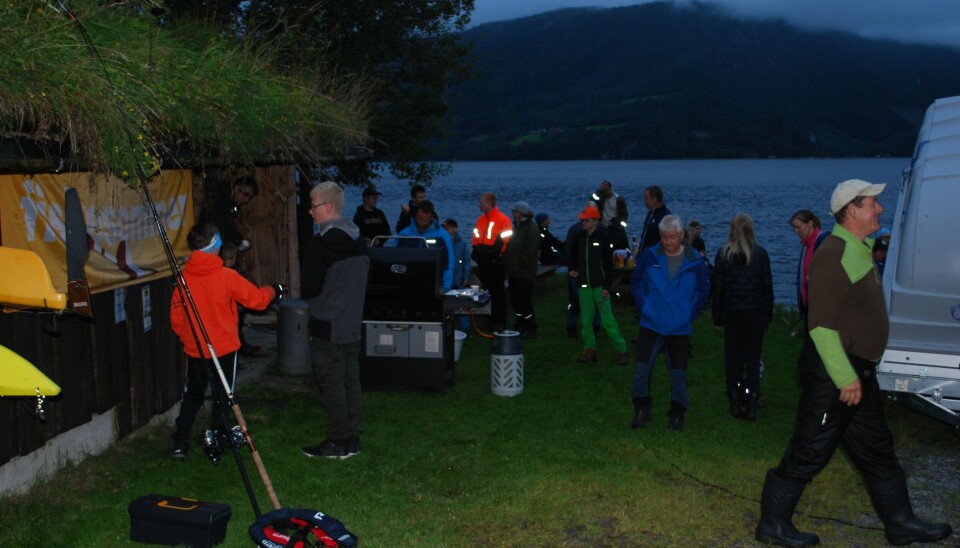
point(669, 287)
point(425, 226)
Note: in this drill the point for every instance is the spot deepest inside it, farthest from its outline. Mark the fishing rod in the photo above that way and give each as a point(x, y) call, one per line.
point(194, 320)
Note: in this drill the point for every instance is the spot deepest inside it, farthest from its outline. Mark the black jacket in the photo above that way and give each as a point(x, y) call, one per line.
point(739, 287)
point(371, 223)
point(592, 259)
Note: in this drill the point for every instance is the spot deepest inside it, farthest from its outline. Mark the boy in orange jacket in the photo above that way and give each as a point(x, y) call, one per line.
point(216, 290)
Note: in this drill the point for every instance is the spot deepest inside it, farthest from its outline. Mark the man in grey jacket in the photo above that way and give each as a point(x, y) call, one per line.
point(333, 279)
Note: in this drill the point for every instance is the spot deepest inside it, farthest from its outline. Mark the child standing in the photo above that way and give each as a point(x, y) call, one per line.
point(216, 291)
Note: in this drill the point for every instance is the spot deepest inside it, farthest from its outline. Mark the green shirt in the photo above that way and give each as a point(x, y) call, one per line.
point(847, 312)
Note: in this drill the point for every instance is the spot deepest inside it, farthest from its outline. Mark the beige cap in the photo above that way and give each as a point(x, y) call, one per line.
point(850, 189)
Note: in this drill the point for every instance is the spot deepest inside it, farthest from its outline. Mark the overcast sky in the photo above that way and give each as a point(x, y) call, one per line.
point(922, 21)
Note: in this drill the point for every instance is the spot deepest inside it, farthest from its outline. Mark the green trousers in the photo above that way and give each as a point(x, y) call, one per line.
point(592, 300)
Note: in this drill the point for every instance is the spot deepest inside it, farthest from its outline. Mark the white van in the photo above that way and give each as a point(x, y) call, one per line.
point(921, 366)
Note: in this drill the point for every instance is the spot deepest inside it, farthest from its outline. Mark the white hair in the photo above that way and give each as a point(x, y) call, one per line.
point(671, 223)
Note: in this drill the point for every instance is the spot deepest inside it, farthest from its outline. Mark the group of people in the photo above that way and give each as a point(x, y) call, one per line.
point(839, 295)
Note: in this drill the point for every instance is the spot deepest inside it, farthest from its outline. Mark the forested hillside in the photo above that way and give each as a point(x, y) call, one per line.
point(659, 81)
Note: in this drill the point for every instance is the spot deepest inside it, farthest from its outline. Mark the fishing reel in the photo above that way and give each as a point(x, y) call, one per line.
point(217, 442)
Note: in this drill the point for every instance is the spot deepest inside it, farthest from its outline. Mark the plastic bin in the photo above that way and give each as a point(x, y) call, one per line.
point(293, 338)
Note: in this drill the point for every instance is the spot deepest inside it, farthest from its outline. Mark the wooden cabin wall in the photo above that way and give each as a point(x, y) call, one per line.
point(270, 223)
point(98, 364)
point(102, 364)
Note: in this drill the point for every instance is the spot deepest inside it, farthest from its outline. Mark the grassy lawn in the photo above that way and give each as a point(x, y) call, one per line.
point(557, 465)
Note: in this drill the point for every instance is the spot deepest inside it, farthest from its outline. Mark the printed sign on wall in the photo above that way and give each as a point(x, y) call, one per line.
point(122, 237)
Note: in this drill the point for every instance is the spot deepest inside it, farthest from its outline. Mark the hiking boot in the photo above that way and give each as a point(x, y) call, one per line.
point(641, 412)
point(328, 449)
point(750, 411)
point(623, 358)
point(589, 356)
point(675, 416)
point(735, 399)
point(180, 450)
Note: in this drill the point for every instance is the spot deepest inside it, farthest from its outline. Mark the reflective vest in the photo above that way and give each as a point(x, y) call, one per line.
point(491, 228)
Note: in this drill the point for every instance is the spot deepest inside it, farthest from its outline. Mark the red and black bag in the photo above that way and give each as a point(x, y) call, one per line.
point(300, 529)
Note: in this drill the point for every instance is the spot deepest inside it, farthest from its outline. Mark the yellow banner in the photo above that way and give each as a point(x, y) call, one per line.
point(122, 237)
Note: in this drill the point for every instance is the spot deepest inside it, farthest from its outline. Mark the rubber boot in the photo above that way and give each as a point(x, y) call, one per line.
point(779, 498)
point(734, 398)
point(891, 500)
point(750, 411)
point(641, 411)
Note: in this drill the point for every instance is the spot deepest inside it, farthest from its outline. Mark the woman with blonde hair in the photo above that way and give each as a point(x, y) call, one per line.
point(742, 308)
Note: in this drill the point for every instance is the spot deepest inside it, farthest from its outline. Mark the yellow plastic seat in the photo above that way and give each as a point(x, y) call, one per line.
point(24, 281)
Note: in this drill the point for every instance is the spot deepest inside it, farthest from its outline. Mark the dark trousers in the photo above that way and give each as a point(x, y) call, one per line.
point(200, 372)
point(823, 422)
point(677, 348)
point(337, 368)
point(521, 296)
point(742, 343)
point(492, 277)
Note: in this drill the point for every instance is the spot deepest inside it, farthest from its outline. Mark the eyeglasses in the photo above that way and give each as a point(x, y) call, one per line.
point(318, 205)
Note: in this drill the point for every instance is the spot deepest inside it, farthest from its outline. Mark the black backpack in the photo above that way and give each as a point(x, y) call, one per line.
point(301, 529)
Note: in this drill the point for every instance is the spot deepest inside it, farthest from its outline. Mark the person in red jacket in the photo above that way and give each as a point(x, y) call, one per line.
point(216, 290)
point(490, 239)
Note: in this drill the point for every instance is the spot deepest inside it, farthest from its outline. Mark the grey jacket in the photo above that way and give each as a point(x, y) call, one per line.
point(333, 278)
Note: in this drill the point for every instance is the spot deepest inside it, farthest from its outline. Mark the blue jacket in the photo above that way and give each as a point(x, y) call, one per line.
point(436, 236)
point(669, 306)
point(461, 267)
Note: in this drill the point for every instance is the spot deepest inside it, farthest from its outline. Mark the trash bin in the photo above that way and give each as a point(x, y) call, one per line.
point(293, 339)
point(506, 364)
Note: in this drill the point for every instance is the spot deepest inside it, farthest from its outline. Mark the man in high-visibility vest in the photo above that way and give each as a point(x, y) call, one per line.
point(490, 239)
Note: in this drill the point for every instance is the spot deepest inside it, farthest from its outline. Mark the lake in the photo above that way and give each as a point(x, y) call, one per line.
point(711, 191)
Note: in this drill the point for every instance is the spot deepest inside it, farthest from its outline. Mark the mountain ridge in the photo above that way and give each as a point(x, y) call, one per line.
point(659, 80)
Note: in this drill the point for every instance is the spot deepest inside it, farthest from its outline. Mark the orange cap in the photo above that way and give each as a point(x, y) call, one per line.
point(589, 213)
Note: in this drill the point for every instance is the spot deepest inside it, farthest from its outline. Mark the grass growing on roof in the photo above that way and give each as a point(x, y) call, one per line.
point(159, 87)
point(557, 465)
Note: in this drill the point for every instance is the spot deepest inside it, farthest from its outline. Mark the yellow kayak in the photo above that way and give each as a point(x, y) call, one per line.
point(18, 377)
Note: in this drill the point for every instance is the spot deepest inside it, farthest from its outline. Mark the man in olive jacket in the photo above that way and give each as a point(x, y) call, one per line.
point(520, 262)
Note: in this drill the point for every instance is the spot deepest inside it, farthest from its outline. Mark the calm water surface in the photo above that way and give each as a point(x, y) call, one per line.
point(711, 191)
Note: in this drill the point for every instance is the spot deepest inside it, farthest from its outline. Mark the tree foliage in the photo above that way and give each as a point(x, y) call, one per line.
point(408, 53)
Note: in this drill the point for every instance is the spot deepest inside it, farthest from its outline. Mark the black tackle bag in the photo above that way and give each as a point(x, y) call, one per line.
point(300, 529)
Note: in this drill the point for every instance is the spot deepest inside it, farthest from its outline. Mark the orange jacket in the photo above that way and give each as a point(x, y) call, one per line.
point(216, 290)
point(493, 226)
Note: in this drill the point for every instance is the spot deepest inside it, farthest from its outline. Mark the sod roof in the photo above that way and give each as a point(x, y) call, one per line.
point(118, 91)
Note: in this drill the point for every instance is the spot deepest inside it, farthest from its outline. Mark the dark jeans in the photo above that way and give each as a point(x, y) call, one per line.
point(742, 343)
point(823, 422)
point(492, 277)
point(199, 372)
point(521, 296)
point(337, 368)
point(677, 348)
